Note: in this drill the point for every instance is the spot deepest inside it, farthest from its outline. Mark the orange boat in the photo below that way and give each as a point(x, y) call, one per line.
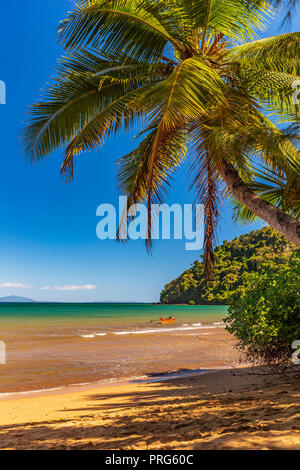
point(167, 320)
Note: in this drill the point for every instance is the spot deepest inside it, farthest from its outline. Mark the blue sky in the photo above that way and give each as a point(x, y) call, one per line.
point(47, 228)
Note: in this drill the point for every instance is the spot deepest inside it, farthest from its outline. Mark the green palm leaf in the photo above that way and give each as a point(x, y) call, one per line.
point(87, 88)
point(116, 25)
point(274, 90)
point(278, 53)
point(145, 173)
point(190, 90)
point(178, 69)
point(236, 19)
point(280, 190)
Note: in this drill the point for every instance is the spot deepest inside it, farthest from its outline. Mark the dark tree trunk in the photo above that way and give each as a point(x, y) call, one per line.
point(279, 220)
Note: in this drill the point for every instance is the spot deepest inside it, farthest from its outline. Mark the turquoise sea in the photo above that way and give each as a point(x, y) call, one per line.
point(108, 314)
point(52, 345)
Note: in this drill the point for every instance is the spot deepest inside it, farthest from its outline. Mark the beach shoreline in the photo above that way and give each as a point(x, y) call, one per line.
point(48, 347)
point(227, 409)
point(98, 385)
point(136, 387)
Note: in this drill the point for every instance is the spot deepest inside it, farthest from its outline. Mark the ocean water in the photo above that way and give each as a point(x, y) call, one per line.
point(53, 345)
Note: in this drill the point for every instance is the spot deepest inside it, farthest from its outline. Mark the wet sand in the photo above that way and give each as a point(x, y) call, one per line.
point(229, 409)
point(38, 360)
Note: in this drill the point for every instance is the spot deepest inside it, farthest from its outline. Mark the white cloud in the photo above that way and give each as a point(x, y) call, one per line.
point(71, 287)
point(75, 287)
point(20, 285)
point(14, 284)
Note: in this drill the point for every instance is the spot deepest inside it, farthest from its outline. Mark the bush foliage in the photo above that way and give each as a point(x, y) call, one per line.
point(265, 319)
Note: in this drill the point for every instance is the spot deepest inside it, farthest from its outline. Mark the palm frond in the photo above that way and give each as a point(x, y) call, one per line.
point(206, 185)
point(278, 54)
point(281, 191)
point(86, 89)
point(274, 90)
point(189, 91)
point(236, 19)
point(116, 25)
point(144, 174)
point(289, 7)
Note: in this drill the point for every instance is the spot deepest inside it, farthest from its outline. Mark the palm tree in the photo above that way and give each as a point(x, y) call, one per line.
point(281, 190)
point(192, 75)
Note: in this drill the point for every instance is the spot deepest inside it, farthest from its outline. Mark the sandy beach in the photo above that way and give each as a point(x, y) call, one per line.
point(228, 409)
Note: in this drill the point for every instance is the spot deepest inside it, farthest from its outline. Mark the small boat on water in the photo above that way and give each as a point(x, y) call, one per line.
point(167, 320)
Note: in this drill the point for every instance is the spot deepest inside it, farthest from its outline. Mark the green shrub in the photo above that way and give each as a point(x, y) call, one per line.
point(192, 302)
point(265, 319)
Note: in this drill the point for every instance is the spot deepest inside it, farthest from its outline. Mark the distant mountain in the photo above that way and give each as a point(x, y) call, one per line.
point(14, 298)
point(258, 251)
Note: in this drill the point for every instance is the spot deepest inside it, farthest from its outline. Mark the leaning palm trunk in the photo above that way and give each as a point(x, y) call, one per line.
point(282, 222)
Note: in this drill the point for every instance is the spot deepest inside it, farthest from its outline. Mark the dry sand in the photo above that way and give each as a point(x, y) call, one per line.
point(223, 410)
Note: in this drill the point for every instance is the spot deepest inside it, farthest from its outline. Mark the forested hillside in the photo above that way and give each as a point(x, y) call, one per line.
point(257, 251)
